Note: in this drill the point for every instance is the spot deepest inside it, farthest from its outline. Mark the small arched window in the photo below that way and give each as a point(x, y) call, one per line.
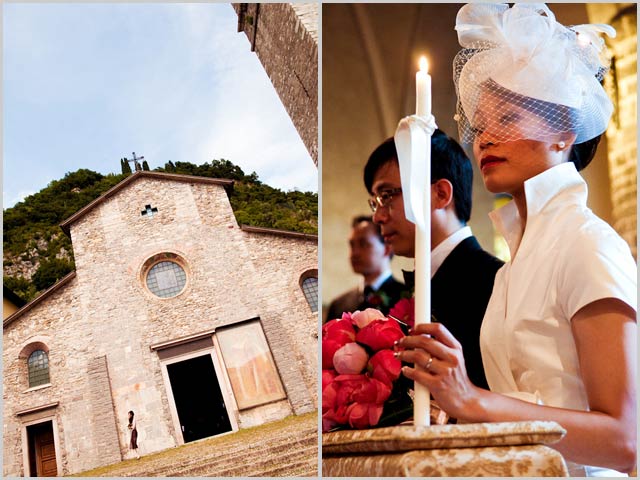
point(38, 368)
point(309, 286)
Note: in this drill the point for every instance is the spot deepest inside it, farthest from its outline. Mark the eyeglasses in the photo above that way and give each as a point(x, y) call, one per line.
point(383, 199)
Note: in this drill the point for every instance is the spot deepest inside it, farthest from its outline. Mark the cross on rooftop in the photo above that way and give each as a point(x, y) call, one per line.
point(135, 159)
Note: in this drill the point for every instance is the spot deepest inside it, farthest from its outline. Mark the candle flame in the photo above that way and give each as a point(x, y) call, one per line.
point(424, 64)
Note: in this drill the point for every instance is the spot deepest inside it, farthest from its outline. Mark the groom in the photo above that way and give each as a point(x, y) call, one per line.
point(462, 273)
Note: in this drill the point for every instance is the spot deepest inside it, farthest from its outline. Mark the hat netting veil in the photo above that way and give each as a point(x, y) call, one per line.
point(522, 75)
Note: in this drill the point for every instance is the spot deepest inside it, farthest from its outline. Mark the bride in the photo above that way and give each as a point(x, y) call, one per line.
point(559, 335)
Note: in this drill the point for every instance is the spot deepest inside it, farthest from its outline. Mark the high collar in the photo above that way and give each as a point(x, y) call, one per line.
point(559, 186)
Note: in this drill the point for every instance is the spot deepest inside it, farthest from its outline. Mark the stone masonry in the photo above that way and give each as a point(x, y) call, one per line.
point(102, 419)
point(621, 84)
point(285, 39)
point(100, 322)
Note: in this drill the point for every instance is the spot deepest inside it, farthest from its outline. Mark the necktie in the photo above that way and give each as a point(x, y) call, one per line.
point(409, 279)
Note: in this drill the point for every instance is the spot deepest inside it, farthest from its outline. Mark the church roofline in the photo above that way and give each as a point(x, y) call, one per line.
point(275, 231)
point(12, 297)
point(66, 224)
point(47, 293)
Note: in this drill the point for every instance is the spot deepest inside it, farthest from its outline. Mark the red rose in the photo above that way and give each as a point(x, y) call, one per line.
point(354, 399)
point(404, 311)
point(334, 417)
point(328, 422)
point(329, 396)
point(339, 330)
point(384, 366)
point(360, 388)
point(329, 348)
point(380, 334)
point(327, 377)
point(335, 334)
point(364, 415)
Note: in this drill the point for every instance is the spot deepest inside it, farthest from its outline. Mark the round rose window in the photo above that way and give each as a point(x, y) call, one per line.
point(166, 279)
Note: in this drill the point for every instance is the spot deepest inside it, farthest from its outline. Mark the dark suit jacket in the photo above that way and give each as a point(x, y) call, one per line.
point(354, 299)
point(460, 292)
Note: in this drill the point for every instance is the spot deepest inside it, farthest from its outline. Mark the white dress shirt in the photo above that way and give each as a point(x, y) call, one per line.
point(565, 259)
point(444, 248)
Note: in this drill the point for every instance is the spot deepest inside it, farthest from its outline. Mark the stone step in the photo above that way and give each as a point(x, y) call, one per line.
point(305, 459)
point(229, 459)
point(283, 448)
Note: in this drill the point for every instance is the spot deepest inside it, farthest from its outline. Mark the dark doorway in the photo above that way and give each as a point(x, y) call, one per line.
point(198, 398)
point(42, 450)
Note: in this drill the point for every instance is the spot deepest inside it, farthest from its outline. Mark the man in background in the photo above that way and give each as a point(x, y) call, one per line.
point(371, 258)
point(462, 273)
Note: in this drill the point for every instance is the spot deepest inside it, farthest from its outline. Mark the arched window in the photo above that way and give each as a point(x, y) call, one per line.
point(309, 286)
point(38, 368)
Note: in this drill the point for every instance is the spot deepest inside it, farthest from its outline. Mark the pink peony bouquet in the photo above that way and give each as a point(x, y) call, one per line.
point(361, 381)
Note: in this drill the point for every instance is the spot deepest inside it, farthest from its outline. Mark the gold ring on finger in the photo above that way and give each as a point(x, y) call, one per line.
point(428, 364)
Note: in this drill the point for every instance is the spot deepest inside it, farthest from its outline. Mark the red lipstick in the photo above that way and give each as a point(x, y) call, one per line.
point(490, 161)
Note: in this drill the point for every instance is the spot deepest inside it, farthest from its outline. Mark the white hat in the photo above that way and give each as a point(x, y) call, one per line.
point(527, 61)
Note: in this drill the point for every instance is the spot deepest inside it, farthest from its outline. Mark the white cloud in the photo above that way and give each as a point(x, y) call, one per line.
point(86, 84)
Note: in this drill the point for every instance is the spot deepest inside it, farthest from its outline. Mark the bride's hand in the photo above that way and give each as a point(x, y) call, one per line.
point(444, 372)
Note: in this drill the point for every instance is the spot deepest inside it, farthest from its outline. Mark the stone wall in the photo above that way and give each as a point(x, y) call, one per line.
point(285, 39)
point(102, 421)
point(621, 84)
point(106, 314)
point(298, 326)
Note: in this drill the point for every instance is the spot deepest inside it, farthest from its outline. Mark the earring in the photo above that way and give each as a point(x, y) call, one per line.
point(561, 145)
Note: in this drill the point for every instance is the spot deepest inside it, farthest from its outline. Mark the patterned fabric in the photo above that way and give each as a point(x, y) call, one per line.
point(514, 461)
point(463, 450)
point(394, 439)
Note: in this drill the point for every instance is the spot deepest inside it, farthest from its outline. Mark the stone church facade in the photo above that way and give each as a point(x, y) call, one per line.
point(175, 312)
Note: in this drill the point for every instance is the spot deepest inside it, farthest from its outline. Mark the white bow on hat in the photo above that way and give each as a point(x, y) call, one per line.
point(526, 51)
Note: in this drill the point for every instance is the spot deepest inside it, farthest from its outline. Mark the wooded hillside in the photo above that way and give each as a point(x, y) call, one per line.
point(37, 253)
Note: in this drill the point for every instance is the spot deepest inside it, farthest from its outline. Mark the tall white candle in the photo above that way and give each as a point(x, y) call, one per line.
point(421, 402)
point(423, 89)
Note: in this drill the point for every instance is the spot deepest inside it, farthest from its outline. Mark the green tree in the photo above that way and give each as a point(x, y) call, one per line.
point(50, 271)
point(38, 215)
point(22, 287)
point(145, 166)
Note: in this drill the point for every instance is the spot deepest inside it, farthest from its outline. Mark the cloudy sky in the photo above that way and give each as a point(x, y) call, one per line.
point(87, 84)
